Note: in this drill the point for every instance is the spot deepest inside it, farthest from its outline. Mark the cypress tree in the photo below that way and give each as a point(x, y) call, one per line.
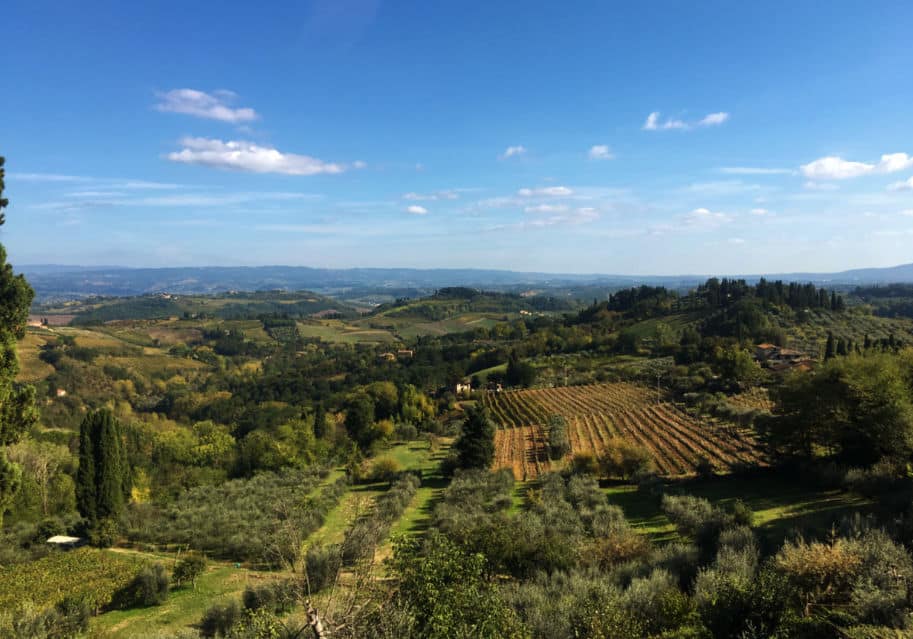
point(476, 446)
point(830, 350)
point(320, 421)
point(841, 347)
point(85, 474)
point(103, 480)
point(109, 467)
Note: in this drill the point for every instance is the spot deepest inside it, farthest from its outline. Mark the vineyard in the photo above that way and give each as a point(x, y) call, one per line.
point(595, 413)
point(86, 574)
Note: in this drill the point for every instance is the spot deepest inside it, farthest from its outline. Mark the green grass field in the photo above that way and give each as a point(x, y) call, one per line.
point(342, 332)
point(779, 504)
point(220, 583)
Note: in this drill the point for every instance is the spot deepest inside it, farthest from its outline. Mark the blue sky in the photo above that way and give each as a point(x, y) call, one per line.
point(705, 137)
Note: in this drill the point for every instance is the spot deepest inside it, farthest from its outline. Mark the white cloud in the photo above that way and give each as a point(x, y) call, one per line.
point(904, 185)
point(907, 212)
point(247, 156)
point(546, 208)
point(415, 209)
point(713, 119)
point(204, 105)
point(106, 183)
point(437, 195)
point(653, 122)
point(735, 240)
point(706, 218)
point(600, 152)
point(550, 191)
point(760, 212)
point(752, 170)
point(833, 167)
point(359, 164)
point(47, 177)
point(513, 151)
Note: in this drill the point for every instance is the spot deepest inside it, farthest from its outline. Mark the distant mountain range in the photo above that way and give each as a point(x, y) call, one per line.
point(73, 282)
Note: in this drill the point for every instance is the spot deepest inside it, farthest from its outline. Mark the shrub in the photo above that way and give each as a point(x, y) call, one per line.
point(276, 597)
point(322, 565)
point(623, 459)
point(559, 444)
point(584, 464)
point(188, 569)
point(385, 469)
point(148, 588)
point(219, 620)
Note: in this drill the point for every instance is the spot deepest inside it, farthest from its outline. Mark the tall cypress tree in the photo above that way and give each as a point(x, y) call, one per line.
point(109, 469)
point(103, 479)
point(830, 350)
point(85, 474)
point(17, 401)
point(476, 446)
point(320, 421)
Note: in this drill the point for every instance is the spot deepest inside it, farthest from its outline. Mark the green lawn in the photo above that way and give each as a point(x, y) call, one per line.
point(779, 504)
point(184, 607)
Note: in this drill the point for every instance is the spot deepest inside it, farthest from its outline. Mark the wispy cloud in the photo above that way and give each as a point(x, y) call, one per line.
point(833, 167)
point(47, 177)
point(706, 218)
point(546, 208)
point(600, 152)
point(436, 195)
point(653, 122)
point(904, 185)
point(415, 209)
point(753, 170)
point(548, 191)
point(247, 156)
point(760, 212)
point(513, 151)
point(575, 217)
point(96, 182)
point(714, 119)
point(211, 106)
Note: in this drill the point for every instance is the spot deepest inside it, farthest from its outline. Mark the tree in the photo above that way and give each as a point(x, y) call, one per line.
point(830, 349)
point(104, 479)
point(559, 444)
point(17, 402)
point(360, 419)
point(519, 373)
point(476, 446)
point(320, 421)
point(188, 569)
point(446, 593)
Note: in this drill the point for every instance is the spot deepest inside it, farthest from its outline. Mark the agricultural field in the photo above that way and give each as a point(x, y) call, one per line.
point(86, 573)
point(333, 330)
point(677, 442)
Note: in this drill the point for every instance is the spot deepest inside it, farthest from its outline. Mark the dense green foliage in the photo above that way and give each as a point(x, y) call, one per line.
point(476, 446)
point(104, 478)
point(259, 519)
point(17, 402)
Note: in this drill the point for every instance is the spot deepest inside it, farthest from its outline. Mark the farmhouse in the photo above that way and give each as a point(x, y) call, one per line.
point(777, 358)
point(463, 389)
